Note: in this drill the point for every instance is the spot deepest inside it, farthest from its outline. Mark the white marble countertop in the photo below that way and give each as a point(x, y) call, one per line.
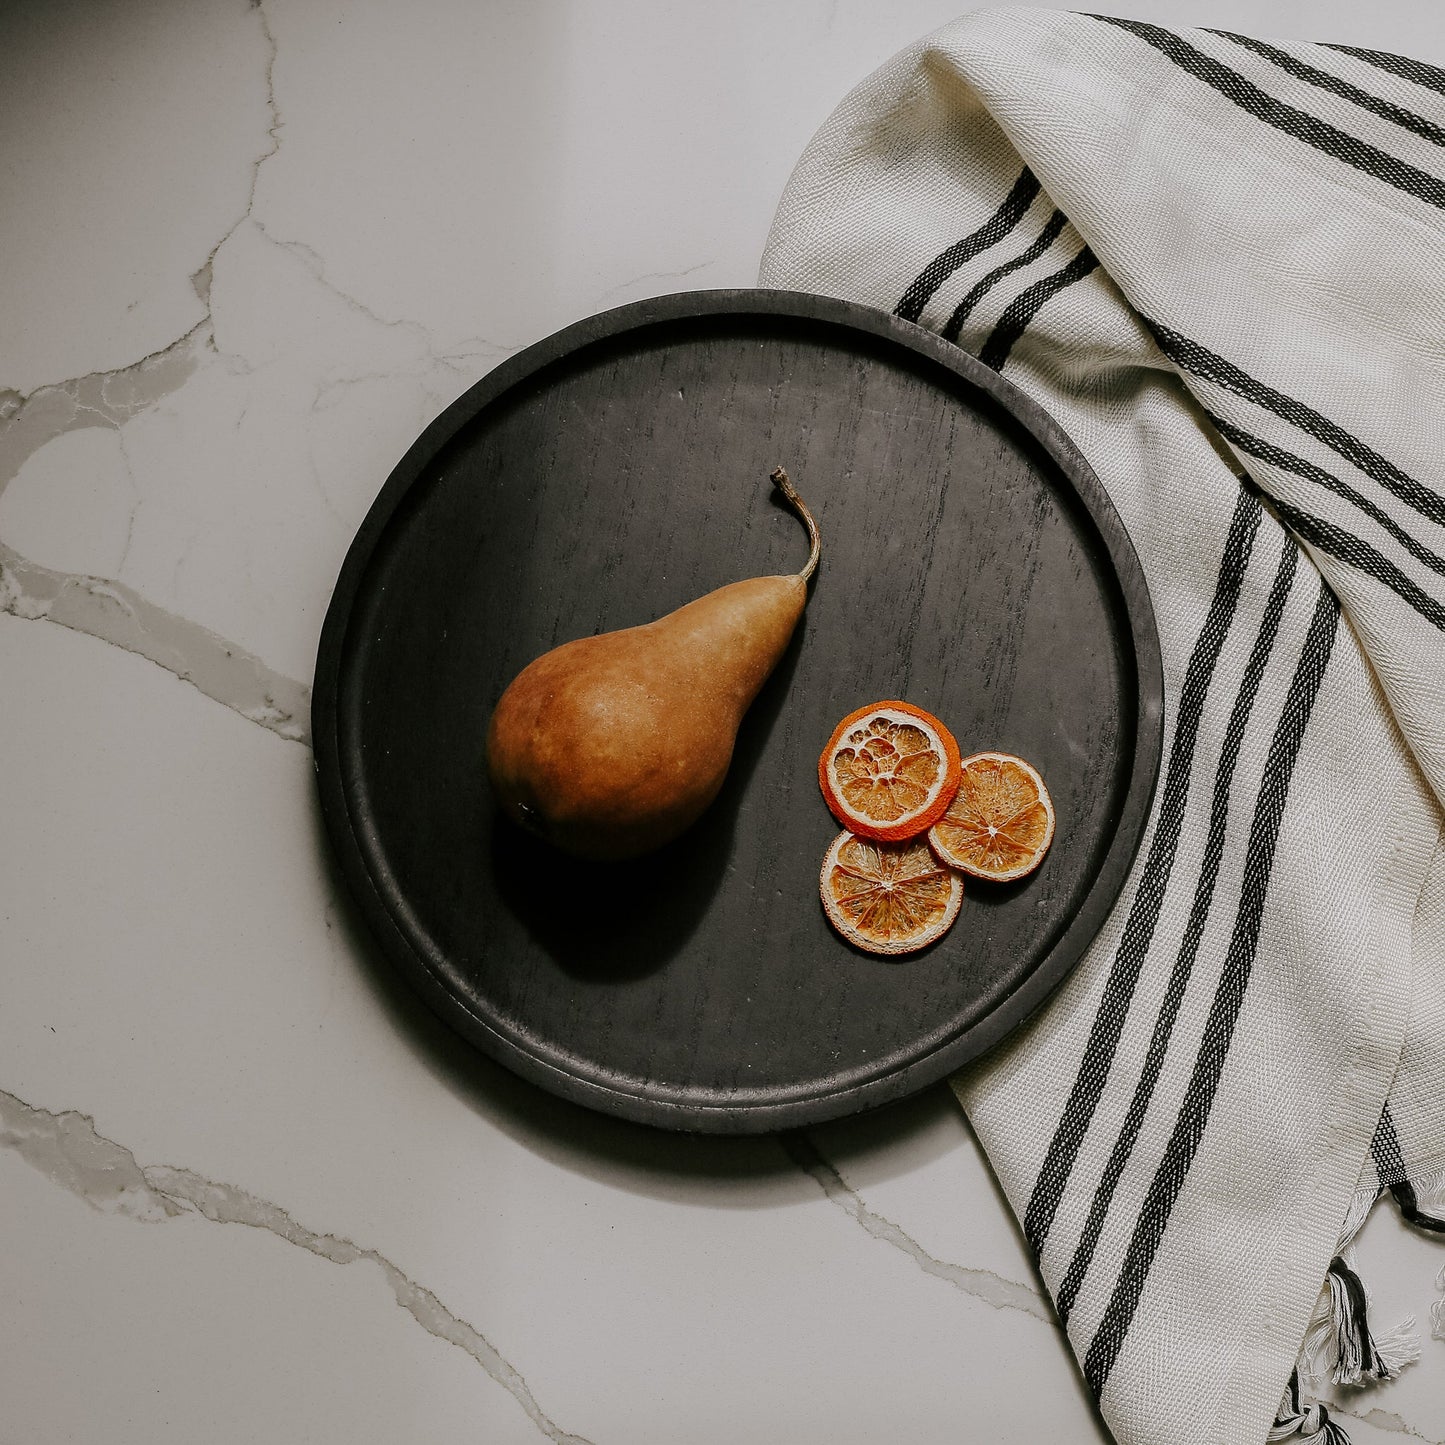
point(250, 249)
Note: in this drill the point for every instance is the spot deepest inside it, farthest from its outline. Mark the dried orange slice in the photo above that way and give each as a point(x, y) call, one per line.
point(889, 770)
point(888, 897)
point(1000, 822)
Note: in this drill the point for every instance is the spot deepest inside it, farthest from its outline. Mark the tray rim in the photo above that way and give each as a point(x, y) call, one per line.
point(659, 1108)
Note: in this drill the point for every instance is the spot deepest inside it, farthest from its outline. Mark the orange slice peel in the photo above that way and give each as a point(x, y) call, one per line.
point(889, 771)
point(888, 898)
point(999, 823)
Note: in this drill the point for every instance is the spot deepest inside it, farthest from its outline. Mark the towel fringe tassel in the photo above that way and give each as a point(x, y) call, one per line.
point(1340, 1345)
point(1359, 1211)
point(1305, 1420)
point(1422, 1200)
point(1422, 1203)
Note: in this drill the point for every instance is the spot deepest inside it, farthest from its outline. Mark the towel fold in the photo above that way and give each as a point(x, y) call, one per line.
point(1218, 263)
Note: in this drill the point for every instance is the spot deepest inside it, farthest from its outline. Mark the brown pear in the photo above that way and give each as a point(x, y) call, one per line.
point(611, 746)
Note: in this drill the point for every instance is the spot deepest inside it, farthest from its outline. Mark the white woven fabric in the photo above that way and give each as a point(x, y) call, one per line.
point(1239, 324)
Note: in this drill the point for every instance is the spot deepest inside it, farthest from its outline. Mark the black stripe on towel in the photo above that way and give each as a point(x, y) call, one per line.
point(1429, 76)
point(1300, 124)
point(1200, 361)
point(998, 225)
point(1287, 461)
point(964, 309)
point(1194, 930)
point(1144, 912)
point(1376, 105)
point(1027, 304)
point(1360, 555)
point(1385, 1150)
point(1229, 996)
point(1390, 1166)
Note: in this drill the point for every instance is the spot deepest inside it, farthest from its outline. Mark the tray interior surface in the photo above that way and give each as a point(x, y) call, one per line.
point(960, 571)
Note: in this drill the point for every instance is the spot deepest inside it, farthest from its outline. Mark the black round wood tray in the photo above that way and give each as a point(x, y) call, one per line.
point(972, 564)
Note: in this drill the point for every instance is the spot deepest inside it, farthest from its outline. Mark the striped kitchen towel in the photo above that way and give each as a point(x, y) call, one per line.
point(1220, 264)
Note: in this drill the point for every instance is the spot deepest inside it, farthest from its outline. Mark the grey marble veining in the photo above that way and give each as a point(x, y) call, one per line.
point(68, 1151)
point(983, 1284)
point(119, 615)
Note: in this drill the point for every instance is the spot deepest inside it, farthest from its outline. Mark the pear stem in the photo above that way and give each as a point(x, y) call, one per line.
point(783, 483)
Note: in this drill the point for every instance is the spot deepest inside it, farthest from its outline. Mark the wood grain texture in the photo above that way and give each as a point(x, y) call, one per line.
point(971, 565)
